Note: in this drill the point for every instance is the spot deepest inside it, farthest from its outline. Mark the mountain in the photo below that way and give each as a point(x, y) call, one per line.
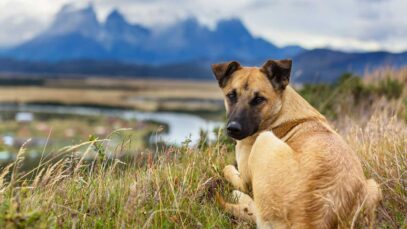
point(77, 34)
point(72, 35)
point(117, 30)
point(72, 20)
point(319, 65)
point(103, 68)
point(327, 65)
point(77, 43)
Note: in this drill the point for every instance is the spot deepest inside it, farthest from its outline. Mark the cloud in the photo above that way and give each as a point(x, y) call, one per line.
point(345, 24)
point(20, 20)
point(14, 29)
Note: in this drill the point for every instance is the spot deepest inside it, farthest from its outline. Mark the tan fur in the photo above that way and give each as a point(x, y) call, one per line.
point(301, 172)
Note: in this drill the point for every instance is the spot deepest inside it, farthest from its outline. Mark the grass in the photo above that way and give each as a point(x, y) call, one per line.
point(381, 145)
point(173, 187)
point(170, 187)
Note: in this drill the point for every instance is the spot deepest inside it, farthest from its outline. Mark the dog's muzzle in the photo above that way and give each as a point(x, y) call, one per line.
point(234, 130)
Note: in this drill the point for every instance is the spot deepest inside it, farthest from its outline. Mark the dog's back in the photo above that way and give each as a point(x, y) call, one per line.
point(337, 191)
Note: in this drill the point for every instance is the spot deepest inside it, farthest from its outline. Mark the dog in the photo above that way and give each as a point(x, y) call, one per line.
point(301, 173)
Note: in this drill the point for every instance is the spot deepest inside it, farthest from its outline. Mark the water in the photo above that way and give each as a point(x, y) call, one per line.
point(180, 125)
point(24, 117)
point(5, 155)
point(8, 140)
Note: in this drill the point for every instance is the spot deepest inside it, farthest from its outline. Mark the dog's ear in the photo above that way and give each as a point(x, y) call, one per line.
point(278, 72)
point(223, 71)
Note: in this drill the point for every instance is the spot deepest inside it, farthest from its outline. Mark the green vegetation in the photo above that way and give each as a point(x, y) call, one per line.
point(167, 188)
point(59, 130)
point(349, 93)
point(173, 187)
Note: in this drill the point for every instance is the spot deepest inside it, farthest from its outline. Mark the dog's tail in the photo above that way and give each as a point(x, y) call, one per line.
point(220, 200)
point(373, 197)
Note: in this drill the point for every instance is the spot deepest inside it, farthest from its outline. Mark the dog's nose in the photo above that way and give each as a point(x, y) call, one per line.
point(234, 127)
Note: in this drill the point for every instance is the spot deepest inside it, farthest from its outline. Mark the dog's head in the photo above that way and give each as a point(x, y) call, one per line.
point(253, 96)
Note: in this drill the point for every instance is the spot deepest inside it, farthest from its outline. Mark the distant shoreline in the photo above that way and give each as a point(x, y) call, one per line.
point(139, 94)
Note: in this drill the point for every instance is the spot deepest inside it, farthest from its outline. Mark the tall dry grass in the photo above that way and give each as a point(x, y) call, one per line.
point(173, 187)
point(381, 145)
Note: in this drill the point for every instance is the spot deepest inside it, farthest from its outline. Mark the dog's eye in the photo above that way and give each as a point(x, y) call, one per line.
point(257, 100)
point(232, 96)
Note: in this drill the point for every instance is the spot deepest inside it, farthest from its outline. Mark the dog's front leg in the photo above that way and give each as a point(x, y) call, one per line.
point(233, 176)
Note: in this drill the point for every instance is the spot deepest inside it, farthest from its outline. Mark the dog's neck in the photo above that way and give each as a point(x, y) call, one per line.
point(294, 108)
point(294, 111)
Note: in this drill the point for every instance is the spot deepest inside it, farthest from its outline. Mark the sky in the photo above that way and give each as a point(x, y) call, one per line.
point(367, 25)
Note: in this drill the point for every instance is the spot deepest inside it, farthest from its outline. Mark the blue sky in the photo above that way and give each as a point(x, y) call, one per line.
point(345, 24)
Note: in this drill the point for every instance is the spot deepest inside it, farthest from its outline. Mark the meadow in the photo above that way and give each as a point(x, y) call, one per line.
point(144, 95)
point(174, 186)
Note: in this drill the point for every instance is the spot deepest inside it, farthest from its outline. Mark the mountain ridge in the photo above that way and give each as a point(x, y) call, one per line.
point(119, 40)
point(182, 50)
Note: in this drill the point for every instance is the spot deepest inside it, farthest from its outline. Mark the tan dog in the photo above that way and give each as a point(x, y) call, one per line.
point(301, 172)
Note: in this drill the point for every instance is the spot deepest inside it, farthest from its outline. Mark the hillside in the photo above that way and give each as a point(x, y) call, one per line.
point(324, 65)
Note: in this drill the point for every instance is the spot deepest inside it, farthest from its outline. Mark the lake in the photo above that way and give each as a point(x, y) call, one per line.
point(180, 125)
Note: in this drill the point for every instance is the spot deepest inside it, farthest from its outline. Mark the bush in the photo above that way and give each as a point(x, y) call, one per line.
point(390, 88)
point(350, 93)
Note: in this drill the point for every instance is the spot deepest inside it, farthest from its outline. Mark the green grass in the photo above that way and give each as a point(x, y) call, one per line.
point(168, 188)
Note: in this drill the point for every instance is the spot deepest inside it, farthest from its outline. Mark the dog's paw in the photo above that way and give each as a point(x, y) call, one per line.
point(236, 195)
point(241, 197)
point(230, 171)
